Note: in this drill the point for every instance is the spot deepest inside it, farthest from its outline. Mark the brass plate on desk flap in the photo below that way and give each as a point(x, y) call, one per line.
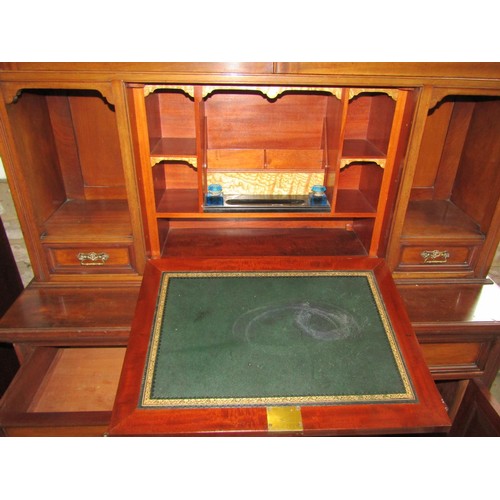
point(284, 418)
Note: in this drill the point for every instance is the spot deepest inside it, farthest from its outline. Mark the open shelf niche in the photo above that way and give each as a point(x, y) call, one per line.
point(455, 189)
point(70, 161)
point(265, 143)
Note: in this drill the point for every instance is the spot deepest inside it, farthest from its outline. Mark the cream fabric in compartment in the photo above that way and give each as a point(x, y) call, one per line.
point(269, 183)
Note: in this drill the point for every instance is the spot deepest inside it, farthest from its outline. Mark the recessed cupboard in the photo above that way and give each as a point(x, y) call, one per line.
point(451, 223)
point(72, 183)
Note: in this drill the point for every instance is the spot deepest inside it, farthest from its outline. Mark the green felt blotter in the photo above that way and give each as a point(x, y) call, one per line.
point(272, 338)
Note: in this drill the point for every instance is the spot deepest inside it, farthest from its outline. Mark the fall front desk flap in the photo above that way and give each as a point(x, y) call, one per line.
point(250, 340)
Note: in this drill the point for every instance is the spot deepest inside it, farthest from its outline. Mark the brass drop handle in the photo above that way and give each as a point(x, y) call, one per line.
point(435, 256)
point(92, 258)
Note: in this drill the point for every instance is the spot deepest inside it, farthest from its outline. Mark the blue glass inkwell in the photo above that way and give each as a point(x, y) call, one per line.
point(317, 196)
point(214, 196)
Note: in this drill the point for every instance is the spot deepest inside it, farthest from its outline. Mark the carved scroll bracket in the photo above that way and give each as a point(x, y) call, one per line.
point(272, 92)
point(439, 94)
point(12, 91)
point(187, 89)
point(344, 162)
point(193, 161)
point(392, 93)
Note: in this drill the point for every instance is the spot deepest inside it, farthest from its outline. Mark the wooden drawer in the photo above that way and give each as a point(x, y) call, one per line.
point(437, 256)
point(455, 359)
point(62, 391)
point(90, 259)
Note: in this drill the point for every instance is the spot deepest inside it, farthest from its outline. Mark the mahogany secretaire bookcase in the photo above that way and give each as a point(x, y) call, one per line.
point(117, 167)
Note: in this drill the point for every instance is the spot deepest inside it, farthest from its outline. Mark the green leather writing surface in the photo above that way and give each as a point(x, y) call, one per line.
point(247, 339)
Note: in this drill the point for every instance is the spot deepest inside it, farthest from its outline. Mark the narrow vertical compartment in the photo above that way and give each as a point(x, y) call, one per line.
point(367, 132)
point(165, 134)
point(368, 124)
point(170, 115)
point(375, 135)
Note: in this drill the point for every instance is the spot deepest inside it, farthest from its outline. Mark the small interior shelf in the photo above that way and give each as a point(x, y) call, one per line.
point(247, 242)
point(361, 148)
point(359, 187)
point(173, 146)
point(441, 220)
point(88, 220)
point(352, 201)
point(178, 201)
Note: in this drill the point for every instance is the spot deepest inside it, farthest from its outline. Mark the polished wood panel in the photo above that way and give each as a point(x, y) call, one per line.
point(479, 165)
point(99, 151)
point(36, 148)
point(458, 326)
point(232, 242)
point(195, 67)
point(236, 121)
point(369, 121)
point(402, 69)
point(456, 305)
point(67, 148)
point(170, 115)
point(65, 315)
point(431, 150)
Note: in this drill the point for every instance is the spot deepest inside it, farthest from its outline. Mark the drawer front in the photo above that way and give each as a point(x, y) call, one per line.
point(432, 256)
point(90, 259)
point(455, 359)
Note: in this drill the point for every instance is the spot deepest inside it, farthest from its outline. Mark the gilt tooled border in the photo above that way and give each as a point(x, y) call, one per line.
point(148, 381)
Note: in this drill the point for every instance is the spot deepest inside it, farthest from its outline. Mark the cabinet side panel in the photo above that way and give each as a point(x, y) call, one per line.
point(433, 140)
point(35, 146)
point(380, 121)
point(477, 186)
point(452, 150)
point(64, 136)
point(176, 115)
point(98, 147)
point(152, 104)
